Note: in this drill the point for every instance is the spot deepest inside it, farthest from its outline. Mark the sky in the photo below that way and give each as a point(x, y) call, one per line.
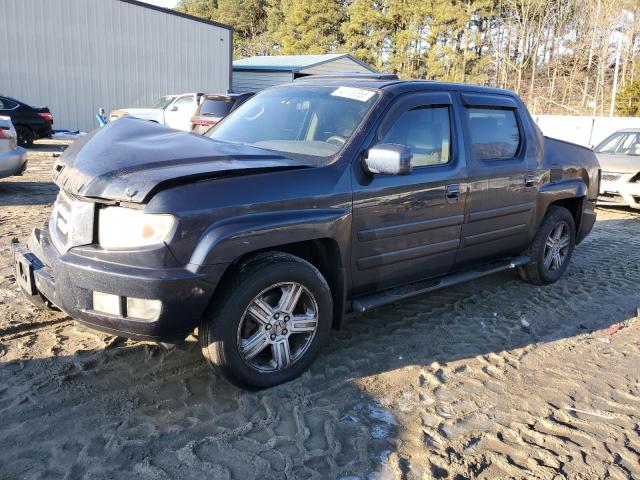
point(162, 3)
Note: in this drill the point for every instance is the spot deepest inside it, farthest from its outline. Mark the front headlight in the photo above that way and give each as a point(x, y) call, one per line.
point(124, 228)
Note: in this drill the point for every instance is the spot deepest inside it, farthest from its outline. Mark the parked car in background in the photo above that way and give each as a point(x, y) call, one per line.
point(214, 108)
point(13, 158)
point(311, 201)
point(174, 111)
point(31, 123)
point(619, 157)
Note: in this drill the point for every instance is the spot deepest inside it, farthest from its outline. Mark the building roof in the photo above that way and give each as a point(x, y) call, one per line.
point(177, 13)
point(291, 63)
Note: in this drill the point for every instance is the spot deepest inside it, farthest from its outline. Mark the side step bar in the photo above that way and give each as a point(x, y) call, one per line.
point(375, 300)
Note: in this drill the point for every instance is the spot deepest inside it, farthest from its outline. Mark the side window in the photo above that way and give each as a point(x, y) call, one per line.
point(427, 131)
point(7, 104)
point(184, 103)
point(611, 145)
point(494, 133)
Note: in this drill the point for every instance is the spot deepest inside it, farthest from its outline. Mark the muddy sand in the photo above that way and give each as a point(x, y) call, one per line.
point(492, 379)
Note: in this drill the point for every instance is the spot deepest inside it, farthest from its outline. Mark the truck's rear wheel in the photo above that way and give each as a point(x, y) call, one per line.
point(551, 249)
point(268, 322)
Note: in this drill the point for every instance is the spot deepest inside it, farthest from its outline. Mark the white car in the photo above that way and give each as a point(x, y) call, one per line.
point(174, 111)
point(619, 157)
point(13, 159)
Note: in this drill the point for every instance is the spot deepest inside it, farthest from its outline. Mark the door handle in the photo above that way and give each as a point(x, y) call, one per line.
point(529, 181)
point(452, 192)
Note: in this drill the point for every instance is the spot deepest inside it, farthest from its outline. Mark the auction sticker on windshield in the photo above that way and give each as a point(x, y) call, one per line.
point(359, 94)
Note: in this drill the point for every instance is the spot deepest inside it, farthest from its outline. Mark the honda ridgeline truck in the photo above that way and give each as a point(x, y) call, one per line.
point(312, 201)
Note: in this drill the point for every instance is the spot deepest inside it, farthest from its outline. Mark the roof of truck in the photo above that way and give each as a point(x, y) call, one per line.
point(392, 83)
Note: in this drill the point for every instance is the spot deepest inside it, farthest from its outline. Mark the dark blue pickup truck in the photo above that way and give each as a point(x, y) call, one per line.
point(312, 201)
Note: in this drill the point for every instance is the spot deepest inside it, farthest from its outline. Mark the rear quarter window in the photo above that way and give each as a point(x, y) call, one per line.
point(494, 133)
point(217, 108)
point(7, 104)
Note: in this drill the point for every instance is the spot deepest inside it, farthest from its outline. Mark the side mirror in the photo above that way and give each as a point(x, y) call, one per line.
point(389, 159)
point(173, 109)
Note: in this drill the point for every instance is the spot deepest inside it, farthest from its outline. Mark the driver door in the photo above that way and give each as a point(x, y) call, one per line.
point(178, 114)
point(407, 227)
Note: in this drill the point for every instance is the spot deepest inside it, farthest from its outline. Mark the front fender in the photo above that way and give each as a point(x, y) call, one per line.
point(227, 240)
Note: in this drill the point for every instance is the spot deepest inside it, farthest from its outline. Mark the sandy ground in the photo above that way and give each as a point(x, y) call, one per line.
point(493, 379)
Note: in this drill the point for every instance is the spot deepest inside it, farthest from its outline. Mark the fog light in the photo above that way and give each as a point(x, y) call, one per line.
point(143, 309)
point(106, 303)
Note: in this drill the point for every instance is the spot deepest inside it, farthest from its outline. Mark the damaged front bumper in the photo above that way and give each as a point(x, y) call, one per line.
point(69, 281)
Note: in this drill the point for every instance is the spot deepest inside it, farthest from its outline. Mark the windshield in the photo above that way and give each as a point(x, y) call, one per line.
point(627, 143)
point(216, 108)
point(163, 102)
point(303, 121)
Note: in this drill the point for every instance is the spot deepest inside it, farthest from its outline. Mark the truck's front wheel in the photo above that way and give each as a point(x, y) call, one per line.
point(551, 248)
point(269, 321)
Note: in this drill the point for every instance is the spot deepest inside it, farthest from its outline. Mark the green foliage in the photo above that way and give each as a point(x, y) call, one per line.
point(628, 100)
point(249, 19)
point(424, 39)
point(558, 54)
point(366, 30)
point(199, 8)
point(308, 26)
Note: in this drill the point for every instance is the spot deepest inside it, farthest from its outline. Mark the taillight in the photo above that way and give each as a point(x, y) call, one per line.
point(46, 116)
point(2, 134)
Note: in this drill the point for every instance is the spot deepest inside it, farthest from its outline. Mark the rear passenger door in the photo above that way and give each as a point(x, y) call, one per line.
point(501, 184)
point(407, 227)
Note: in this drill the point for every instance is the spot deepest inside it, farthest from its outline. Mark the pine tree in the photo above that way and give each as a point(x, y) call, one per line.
point(307, 26)
point(628, 100)
point(366, 30)
point(249, 21)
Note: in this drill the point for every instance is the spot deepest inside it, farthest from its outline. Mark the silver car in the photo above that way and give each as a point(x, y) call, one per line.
point(13, 159)
point(619, 157)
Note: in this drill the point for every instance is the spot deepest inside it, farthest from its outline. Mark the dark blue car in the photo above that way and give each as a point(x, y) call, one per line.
point(309, 203)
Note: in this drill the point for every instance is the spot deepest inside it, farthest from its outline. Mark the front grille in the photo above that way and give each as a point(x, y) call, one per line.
point(611, 198)
point(71, 222)
point(610, 177)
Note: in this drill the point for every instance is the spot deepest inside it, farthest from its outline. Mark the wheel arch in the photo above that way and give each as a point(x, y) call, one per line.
point(322, 253)
point(574, 205)
point(24, 125)
point(569, 194)
point(318, 236)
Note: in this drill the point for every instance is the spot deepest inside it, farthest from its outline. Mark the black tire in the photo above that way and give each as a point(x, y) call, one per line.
point(220, 331)
point(25, 136)
point(537, 272)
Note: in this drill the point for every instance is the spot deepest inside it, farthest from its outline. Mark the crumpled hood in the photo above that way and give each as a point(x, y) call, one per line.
point(130, 159)
point(619, 163)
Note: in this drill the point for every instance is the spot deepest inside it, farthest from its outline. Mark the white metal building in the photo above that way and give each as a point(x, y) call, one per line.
point(255, 73)
point(76, 56)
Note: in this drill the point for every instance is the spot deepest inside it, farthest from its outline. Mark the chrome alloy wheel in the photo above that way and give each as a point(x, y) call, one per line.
point(556, 248)
point(277, 327)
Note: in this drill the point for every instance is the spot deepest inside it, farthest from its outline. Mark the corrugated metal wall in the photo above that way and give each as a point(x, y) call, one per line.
point(76, 56)
point(244, 82)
